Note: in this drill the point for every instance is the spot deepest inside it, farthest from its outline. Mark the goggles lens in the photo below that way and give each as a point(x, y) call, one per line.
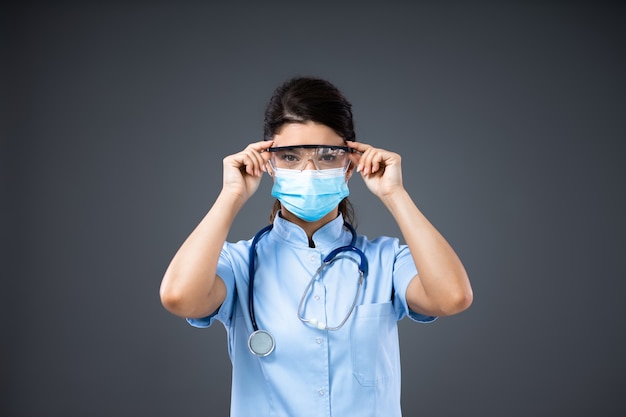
point(321, 157)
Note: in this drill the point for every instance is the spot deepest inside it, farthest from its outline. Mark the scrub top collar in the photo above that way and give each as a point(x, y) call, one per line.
point(327, 237)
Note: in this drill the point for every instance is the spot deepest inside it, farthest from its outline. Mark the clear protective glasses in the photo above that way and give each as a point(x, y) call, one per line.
point(321, 157)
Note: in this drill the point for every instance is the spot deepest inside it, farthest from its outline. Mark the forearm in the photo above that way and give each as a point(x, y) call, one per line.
point(442, 286)
point(190, 287)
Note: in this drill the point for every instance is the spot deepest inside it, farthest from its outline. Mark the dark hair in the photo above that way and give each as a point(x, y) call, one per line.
point(304, 99)
point(310, 99)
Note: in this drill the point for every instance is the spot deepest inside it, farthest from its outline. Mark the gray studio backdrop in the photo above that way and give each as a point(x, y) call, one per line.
point(115, 120)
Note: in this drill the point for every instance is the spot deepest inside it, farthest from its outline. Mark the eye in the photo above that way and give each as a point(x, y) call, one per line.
point(289, 157)
point(329, 157)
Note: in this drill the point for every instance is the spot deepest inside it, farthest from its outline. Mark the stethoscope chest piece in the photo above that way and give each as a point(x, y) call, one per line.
point(261, 343)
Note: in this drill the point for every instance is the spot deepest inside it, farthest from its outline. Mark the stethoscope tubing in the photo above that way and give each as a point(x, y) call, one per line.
point(363, 267)
point(261, 342)
point(251, 269)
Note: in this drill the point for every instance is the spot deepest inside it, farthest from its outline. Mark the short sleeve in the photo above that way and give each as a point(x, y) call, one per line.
point(403, 272)
point(224, 312)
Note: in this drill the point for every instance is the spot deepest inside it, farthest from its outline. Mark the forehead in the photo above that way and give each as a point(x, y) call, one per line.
point(309, 133)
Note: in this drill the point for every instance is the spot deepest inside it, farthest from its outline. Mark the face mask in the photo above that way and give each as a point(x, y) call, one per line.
point(310, 194)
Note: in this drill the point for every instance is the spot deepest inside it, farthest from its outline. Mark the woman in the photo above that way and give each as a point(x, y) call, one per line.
point(316, 336)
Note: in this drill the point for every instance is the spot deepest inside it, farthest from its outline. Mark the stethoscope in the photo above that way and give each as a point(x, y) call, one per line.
point(261, 342)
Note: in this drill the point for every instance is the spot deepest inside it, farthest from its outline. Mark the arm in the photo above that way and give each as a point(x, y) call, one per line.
point(441, 287)
point(190, 286)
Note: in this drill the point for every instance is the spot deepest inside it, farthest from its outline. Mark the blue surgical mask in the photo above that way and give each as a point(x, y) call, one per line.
point(310, 194)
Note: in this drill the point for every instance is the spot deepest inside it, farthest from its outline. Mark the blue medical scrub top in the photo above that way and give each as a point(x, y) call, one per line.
point(353, 371)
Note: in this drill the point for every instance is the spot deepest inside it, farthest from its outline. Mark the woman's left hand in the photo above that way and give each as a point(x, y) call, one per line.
point(381, 170)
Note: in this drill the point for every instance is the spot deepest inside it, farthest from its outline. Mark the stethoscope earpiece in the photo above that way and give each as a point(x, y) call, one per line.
point(316, 323)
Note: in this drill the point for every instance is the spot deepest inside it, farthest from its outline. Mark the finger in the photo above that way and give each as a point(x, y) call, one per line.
point(256, 157)
point(358, 146)
point(377, 162)
point(266, 155)
point(261, 145)
point(367, 153)
point(254, 163)
point(366, 162)
point(245, 161)
point(263, 155)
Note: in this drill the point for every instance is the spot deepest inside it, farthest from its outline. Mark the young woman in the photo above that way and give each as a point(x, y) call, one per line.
point(310, 307)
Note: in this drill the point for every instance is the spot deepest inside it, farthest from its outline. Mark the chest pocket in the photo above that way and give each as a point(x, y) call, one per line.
point(375, 349)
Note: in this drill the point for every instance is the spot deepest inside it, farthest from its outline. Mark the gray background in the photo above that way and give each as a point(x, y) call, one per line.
point(115, 120)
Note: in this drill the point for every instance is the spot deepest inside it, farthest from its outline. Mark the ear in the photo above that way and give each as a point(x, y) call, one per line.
point(266, 158)
point(354, 160)
point(350, 171)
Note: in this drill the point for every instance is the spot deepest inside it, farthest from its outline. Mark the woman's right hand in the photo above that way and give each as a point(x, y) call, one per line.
point(191, 286)
point(243, 171)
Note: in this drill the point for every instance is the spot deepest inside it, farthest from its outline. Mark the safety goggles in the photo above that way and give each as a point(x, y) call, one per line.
point(320, 156)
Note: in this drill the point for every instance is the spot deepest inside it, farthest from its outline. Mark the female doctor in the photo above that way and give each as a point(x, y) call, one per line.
point(310, 307)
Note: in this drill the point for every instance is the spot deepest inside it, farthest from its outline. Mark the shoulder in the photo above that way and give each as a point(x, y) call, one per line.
point(236, 252)
point(385, 250)
point(380, 243)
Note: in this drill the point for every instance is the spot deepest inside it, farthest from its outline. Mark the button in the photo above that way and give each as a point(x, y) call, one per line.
point(313, 258)
point(318, 340)
point(316, 298)
point(321, 392)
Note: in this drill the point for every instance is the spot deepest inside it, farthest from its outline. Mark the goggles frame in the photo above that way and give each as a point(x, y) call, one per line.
point(345, 149)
